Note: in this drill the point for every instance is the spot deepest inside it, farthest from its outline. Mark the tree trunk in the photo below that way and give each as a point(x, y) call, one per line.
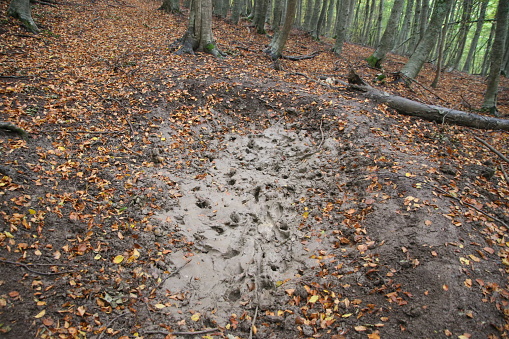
point(308, 13)
point(279, 41)
point(236, 9)
point(20, 9)
point(379, 21)
point(277, 16)
point(487, 49)
point(342, 20)
point(387, 40)
point(170, 6)
point(220, 8)
point(318, 25)
point(199, 37)
point(477, 34)
point(260, 16)
point(403, 33)
point(423, 49)
point(443, 35)
point(463, 32)
point(497, 55)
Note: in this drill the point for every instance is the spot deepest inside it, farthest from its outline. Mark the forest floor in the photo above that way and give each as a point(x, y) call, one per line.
point(159, 195)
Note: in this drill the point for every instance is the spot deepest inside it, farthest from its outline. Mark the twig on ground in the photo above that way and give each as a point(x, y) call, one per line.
point(421, 85)
point(505, 174)
point(111, 322)
point(253, 323)
point(176, 271)
point(96, 132)
point(469, 205)
point(210, 330)
point(27, 267)
point(14, 77)
point(491, 148)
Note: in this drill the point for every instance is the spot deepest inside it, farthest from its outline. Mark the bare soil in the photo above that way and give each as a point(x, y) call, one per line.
point(206, 195)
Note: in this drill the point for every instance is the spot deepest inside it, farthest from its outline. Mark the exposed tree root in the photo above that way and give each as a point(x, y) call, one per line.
point(303, 57)
point(15, 129)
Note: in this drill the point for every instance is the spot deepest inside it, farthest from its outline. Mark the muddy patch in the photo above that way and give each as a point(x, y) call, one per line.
point(241, 214)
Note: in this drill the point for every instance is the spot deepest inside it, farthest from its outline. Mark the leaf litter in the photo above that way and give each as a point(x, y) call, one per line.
point(164, 194)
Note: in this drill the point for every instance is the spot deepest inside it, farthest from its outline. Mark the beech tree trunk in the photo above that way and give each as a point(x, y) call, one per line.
point(20, 9)
point(423, 49)
point(477, 34)
point(497, 56)
point(199, 37)
point(278, 41)
point(387, 40)
point(170, 6)
point(342, 20)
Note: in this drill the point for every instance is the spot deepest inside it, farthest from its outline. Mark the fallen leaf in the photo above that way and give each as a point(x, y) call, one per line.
point(118, 259)
point(40, 314)
point(313, 299)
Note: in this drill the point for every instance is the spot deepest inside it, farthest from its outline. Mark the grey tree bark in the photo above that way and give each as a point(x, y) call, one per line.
point(342, 20)
point(318, 25)
point(21, 9)
point(405, 28)
point(423, 49)
point(170, 6)
point(487, 54)
point(260, 16)
point(465, 24)
point(497, 56)
point(389, 36)
point(429, 112)
point(199, 37)
point(236, 11)
point(278, 41)
point(477, 34)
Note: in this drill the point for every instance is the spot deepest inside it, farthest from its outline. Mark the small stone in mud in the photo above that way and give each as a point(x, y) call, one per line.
point(307, 330)
point(301, 292)
point(235, 217)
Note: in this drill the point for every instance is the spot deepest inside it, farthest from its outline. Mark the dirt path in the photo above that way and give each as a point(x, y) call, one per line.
point(322, 224)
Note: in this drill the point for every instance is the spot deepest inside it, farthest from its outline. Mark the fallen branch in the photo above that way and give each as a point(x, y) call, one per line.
point(10, 127)
point(14, 76)
point(253, 323)
point(447, 194)
point(176, 271)
point(96, 132)
point(505, 174)
point(111, 322)
point(184, 333)
point(410, 80)
point(27, 267)
point(491, 148)
point(302, 57)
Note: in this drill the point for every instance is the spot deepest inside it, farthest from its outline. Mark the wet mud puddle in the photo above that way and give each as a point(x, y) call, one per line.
point(242, 218)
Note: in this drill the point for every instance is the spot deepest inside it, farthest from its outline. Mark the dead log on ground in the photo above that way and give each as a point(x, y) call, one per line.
point(428, 112)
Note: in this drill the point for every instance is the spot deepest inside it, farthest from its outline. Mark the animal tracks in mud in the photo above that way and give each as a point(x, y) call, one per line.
point(242, 218)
